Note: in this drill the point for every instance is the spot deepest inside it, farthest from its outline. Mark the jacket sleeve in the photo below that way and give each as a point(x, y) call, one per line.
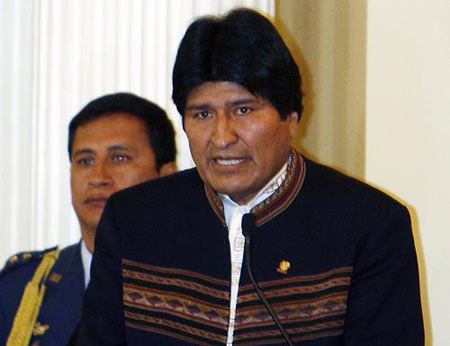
point(384, 299)
point(102, 320)
point(2, 322)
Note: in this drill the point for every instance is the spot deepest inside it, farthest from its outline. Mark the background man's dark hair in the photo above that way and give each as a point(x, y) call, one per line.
point(159, 128)
point(242, 47)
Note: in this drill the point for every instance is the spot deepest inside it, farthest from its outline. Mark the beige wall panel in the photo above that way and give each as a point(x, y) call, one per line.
point(328, 41)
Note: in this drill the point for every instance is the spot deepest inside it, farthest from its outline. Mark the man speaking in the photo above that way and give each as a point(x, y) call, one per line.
point(257, 245)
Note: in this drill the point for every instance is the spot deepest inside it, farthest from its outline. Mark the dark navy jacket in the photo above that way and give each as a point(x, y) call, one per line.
point(161, 266)
point(61, 307)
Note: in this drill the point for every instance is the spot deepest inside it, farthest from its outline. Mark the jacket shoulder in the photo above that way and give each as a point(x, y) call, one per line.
point(24, 259)
point(182, 191)
point(167, 183)
point(327, 183)
point(180, 184)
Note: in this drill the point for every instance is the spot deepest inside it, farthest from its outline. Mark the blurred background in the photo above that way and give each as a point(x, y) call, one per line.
point(377, 104)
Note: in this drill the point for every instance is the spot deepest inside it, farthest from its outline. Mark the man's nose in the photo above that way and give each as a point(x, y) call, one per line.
point(100, 175)
point(224, 132)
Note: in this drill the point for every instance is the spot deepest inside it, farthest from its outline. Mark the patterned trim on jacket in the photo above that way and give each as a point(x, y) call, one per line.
point(194, 307)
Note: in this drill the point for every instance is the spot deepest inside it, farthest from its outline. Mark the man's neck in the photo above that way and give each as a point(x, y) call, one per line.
point(272, 185)
point(88, 235)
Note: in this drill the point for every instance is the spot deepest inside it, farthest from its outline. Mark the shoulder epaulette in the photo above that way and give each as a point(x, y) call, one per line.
point(21, 258)
point(32, 298)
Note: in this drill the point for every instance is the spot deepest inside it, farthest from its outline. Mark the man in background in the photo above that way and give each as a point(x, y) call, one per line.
point(115, 141)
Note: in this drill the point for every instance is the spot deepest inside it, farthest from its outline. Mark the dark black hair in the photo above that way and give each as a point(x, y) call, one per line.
point(242, 47)
point(160, 130)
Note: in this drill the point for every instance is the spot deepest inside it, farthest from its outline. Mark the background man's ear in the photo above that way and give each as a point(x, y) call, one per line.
point(168, 168)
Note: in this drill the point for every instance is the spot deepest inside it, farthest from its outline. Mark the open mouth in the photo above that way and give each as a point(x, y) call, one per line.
point(229, 162)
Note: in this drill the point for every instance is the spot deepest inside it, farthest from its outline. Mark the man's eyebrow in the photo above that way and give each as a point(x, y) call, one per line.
point(232, 103)
point(239, 102)
point(110, 148)
point(197, 107)
point(83, 151)
point(119, 147)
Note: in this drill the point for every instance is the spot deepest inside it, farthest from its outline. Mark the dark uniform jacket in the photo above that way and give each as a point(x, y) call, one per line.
point(161, 266)
point(61, 307)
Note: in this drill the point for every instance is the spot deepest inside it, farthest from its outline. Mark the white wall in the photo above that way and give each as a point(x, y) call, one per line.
point(408, 133)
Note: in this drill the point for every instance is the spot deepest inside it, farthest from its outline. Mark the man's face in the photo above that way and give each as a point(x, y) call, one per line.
point(237, 139)
point(109, 153)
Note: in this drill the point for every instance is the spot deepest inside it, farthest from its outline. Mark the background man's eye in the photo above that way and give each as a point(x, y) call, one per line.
point(244, 110)
point(84, 161)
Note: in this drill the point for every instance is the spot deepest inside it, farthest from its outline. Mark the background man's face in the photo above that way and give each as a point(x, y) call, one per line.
point(237, 139)
point(109, 153)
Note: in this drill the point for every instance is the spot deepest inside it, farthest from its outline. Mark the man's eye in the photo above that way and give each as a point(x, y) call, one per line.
point(202, 115)
point(120, 158)
point(86, 161)
point(243, 110)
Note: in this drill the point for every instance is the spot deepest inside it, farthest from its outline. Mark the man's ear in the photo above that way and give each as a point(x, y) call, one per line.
point(168, 168)
point(293, 124)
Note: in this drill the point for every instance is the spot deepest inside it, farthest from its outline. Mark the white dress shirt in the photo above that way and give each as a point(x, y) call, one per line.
point(86, 259)
point(233, 216)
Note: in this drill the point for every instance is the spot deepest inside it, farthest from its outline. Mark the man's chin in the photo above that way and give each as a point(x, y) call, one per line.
point(91, 223)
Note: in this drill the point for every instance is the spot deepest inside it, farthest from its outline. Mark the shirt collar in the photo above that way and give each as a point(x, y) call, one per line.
point(86, 259)
point(277, 201)
point(230, 206)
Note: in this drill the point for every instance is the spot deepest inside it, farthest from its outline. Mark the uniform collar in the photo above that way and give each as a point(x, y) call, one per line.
point(67, 266)
point(278, 200)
